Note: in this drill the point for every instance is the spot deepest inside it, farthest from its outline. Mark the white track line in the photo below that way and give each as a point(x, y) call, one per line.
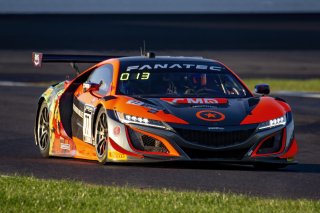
point(298, 94)
point(46, 84)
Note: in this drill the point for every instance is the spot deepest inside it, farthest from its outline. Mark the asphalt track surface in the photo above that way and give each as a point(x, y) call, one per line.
point(18, 154)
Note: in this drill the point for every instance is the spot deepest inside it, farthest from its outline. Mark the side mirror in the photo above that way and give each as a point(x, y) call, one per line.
point(89, 86)
point(263, 89)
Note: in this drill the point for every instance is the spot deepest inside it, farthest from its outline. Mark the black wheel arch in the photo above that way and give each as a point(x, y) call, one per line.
point(40, 101)
point(99, 106)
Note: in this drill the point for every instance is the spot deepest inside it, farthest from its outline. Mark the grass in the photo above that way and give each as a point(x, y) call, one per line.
point(308, 85)
point(27, 194)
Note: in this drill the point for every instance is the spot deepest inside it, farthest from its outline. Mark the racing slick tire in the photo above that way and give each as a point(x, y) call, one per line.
point(42, 132)
point(101, 136)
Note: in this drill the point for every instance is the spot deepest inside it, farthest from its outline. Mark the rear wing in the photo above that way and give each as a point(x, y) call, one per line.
point(39, 58)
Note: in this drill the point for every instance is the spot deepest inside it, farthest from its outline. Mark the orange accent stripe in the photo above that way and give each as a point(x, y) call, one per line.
point(267, 109)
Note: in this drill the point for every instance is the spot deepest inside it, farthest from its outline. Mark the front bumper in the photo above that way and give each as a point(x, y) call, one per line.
point(185, 150)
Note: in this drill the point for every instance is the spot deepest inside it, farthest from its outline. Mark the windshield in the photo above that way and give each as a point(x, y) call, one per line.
point(179, 80)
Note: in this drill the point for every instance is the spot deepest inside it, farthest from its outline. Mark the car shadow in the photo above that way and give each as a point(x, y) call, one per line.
point(297, 168)
point(304, 168)
point(196, 165)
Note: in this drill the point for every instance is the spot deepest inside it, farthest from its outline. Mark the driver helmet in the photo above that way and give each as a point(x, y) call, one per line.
point(199, 80)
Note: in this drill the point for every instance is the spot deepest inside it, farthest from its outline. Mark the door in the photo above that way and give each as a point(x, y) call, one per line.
point(85, 100)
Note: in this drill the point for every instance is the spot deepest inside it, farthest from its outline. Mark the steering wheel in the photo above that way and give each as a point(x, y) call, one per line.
point(189, 92)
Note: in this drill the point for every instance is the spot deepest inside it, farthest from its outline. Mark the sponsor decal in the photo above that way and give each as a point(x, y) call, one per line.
point(210, 115)
point(196, 100)
point(114, 155)
point(65, 146)
point(174, 66)
point(135, 102)
point(215, 128)
point(116, 130)
point(203, 106)
point(37, 57)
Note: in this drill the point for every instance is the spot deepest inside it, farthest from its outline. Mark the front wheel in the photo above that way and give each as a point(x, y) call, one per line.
point(42, 132)
point(101, 136)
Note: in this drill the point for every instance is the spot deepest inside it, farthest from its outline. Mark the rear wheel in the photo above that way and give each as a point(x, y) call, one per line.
point(101, 136)
point(43, 130)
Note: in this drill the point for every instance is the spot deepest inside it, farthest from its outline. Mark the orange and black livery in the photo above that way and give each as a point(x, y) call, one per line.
point(161, 108)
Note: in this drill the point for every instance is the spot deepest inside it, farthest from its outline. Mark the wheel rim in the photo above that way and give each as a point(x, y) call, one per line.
point(43, 129)
point(102, 135)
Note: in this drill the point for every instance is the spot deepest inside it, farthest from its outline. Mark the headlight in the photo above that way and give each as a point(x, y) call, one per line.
point(126, 118)
point(281, 121)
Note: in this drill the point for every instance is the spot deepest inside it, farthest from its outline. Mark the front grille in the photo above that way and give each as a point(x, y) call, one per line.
point(144, 142)
point(215, 139)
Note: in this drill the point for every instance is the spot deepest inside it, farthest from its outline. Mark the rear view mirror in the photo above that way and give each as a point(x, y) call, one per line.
point(263, 89)
point(89, 86)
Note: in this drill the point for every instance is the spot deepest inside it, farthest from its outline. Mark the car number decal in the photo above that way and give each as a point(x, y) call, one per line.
point(87, 123)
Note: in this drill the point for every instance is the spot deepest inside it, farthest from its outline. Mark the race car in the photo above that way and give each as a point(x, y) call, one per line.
point(152, 108)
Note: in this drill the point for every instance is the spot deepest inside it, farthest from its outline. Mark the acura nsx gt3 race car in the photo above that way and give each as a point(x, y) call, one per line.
point(158, 108)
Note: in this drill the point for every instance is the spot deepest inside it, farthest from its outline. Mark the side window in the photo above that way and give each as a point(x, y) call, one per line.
point(102, 74)
point(232, 86)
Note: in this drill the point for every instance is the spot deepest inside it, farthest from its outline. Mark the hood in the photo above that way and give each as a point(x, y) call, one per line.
point(205, 112)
